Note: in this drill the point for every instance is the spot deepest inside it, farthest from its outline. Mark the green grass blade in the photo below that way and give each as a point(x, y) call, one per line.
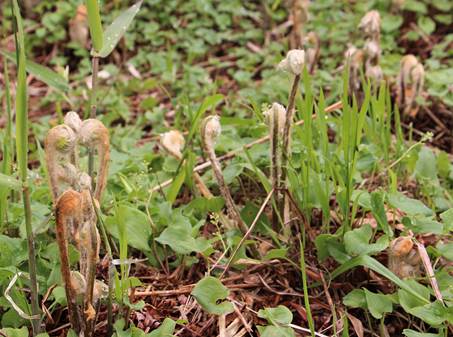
point(21, 99)
point(48, 76)
point(373, 264)
point(95, 24)
point(116, 30)
point(22, 159)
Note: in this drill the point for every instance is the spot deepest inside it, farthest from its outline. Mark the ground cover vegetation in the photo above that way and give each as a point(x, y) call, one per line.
point(226, 168)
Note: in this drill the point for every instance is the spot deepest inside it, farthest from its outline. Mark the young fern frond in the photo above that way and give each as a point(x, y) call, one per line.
point(75, 214)
point(210, 131)
point(95, 136)
point(293, 63)
point(68, 209)
point(59, 148)
point(276, 117)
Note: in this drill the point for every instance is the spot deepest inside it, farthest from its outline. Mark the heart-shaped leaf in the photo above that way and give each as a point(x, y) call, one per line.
point(210, 293)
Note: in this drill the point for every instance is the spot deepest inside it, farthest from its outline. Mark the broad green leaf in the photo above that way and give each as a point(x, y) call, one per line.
point(378, 304)
point(166, 329)
point(179, 236)
point(22, 332)
point(426, 24)
point(95, 24)
point(355, 299)
point(434, 313)
point(280, 315)
point(211, 294)
point(426, 166)
point(412, 333)
point(357, 241)
point(10, 182)
point(378, 210)
point(408, 205)
point(425, 225)
point(277, 253)
point(136, 224)
point(48, 76)
point(117, 28)
point(408, 301)
point(275, 331)
point(447, 219)
point(446, 249)
point(203, 205)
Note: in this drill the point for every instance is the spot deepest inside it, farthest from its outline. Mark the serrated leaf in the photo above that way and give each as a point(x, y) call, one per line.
point(210, 293)
point(117, 29)
point(48, 76)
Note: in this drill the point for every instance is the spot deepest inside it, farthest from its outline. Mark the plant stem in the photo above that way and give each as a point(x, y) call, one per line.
point(231, 207)
point(275, 169)
point(310, 321)
point(31, 258)
point(93, 108)
point(286, 142)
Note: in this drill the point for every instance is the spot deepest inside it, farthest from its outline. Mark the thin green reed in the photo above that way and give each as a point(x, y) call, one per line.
point(22, 159)
point(8, 149)
point(352, 127)
point(97, 40)
point(321, 124)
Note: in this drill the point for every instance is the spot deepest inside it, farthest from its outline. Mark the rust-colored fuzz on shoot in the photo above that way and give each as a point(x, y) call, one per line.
point(75, 213)
point(403, 259)
point(68, 209)
point(410, 84)
point(95, 136)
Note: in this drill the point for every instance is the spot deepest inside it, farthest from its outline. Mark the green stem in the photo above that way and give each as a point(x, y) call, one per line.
point(31, 259)
point(311, 324)
point(286, 142)
point(93, 108)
